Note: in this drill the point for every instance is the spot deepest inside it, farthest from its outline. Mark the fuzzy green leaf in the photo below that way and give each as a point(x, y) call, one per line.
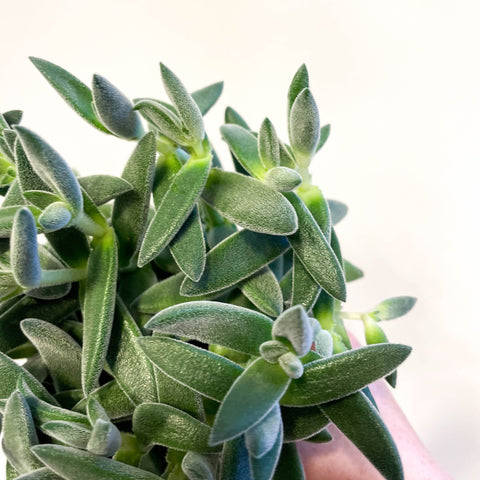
point(184, 103)
point(249, 399)
point(156, 423)
point(289, 465)
point(19, 434)
point(99, 306)
point(261, 438)
point(238, 257)
point(304, 122)
point(314, 251)
point(24, 253)
point(165, 170)
point(268, 147)
point(302, 423)
point(334, 377)
point(264, 291)
point(299, 82)
point(73, 91)
point(115, 109)
point(130, 211)
point(7, 217)
point(60, 352)
point(318, 206)
point(175, 207)
point(164, 294)
point(13, 117)
point(162, 118)
point(263, 468)
point(358, 419)
point(73, 464)
point(55, 217)
point(206, 97)
point(197, 467)
point(324, 134)
point(103, 188)
point(217, 323)
point(68, 433)
point(394, 307)
point(244, 146)
point(40, 474)
point(238, 198)
point(305, 290)
point(208, 374)
point(27, 177)
point(352, 272)
point(188, 247)
point(71, 245)
point(235, 461)
point(105, 439)
point(282, 179)
point(233, 117)
point(51, 168)
point(136, 378)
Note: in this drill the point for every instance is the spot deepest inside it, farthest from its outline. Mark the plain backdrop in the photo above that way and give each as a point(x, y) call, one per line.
point(399, 83)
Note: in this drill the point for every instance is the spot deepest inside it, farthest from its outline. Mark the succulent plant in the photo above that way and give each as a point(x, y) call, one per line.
point(180, 321)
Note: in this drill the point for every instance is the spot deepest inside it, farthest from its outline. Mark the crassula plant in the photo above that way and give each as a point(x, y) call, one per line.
point(182, 321)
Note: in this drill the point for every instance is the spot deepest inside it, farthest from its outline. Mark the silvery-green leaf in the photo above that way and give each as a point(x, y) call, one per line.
point(188, 246)
point(73, 91)
point(304, 122)
point(305, 290)
point(13, 117)
point(208, 374)
point(302, 423)
point(338, 210)
point(394, 307)
point(264, 291)
point(9, 136)
point(19, 434)
point(11, 335)
point(24, 251)
point(238, 257)
point(263, 468)
point(11, 473)
point(360, 422)
point(51, 168)
point(314, 251)
point(294, 325)
point(352, 272)
point(44, 412)
point(103, 188)
point(238, 198)
point(272, 350)
point(235, 463)
point(95, 411)
point(7, 217)
point(115, 109)
point(175, 207)
point(299, 82)
point(206, 97)
point(282, 179)
point(314, 200)
point(334, 377)
point(130, 210)
point(184, 103)
point(40, 474)
point(165, 293)
point(248, 401)
point(291, 365)
point(268, 147)
point(74, 464)
point(27, 177)
point(324, 134)
point(321, 437)
point(262, 437)
point(324, 343)
point(244, 147)
point(218, 323)
point(156, 423)
point(136, 378)
point(165, 170)
point(98, 308)
point(55, 217)
point(373, 332)
point(286, 158)
point(68, 433)
point(71, 245)
point(289, 465)
point(40, 198)
point(197, 467)
point(233, 117)
point(166, 121)
point(13, 195)
point(105, 439)
point(60, 352)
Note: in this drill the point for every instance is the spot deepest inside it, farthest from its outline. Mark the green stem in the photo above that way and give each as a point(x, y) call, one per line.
point(352, 315)
point(88, 226)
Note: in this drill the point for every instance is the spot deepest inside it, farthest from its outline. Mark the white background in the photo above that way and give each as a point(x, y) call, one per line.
point(398, 81)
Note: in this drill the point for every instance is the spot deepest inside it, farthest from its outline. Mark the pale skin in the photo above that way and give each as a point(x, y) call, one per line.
point(341, 460)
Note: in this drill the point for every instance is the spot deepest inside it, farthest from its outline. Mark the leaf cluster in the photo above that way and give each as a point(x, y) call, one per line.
point(180, 321)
